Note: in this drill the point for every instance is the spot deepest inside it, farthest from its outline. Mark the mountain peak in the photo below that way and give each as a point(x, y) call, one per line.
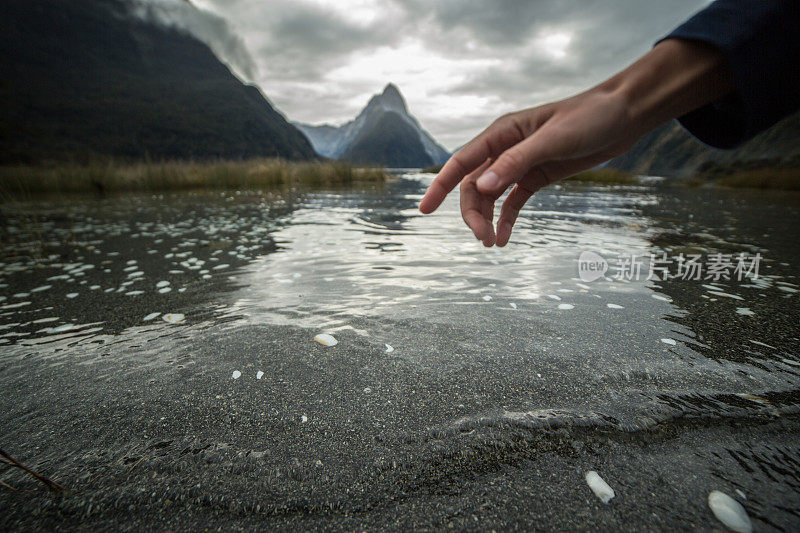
point(391, 99)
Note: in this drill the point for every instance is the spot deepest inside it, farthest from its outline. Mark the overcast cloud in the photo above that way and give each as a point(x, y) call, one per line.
point(459, 63)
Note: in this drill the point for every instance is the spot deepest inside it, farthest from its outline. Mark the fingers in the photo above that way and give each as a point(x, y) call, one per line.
point(476, 213)
point(512, 205)
point(496, 138)
point(514, 164)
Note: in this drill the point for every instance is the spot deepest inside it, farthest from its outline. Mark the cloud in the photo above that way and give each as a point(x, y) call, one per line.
point(212, 29)
point(459, 63)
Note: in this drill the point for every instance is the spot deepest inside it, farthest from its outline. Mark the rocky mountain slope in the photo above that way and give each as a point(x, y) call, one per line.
point(85, 78)
point(383, 133)
point(671, 151)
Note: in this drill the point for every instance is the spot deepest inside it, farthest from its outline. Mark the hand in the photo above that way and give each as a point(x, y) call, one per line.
point(536, 147)
point(530, 149)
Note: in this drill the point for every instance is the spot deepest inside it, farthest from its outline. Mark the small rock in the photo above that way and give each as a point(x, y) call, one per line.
point(729, 512)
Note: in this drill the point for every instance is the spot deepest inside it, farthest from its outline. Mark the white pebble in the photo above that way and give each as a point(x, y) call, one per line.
point(729, 512)
point(671, 342)
point(304, 419)
point(600, 488)
point(486, 297)
point(554, 297)
point(662, 298)
point(259, 374)
point(151, 316)
point(389, 348)
point(566, 307)
point(513, 305)
point(72, 295)
point(134, 293)
point(42, 288)
point(744, 311)
point(164, 290)
point(326, 339)
point(236, 374)
point(614, 306)
point(173, 318)
point(161, 284)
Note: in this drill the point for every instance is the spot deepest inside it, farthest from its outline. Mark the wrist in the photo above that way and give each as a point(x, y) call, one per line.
point(674, 78)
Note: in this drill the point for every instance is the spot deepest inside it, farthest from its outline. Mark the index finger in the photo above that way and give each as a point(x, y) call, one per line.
point(487, 145)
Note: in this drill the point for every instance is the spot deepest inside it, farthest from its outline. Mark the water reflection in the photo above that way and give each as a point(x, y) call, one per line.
point(504, 352)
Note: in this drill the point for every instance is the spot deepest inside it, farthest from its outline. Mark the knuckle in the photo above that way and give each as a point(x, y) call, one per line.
point(511, 160)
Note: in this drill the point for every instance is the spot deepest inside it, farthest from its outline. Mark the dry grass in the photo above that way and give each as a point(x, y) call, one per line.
point(785, 179)
point(607, 176)
point(111, 177)
point(435, 169)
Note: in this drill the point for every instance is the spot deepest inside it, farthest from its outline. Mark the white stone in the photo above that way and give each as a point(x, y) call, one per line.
point(389, 348)
point(173, 318)
point(614, 306)
point(729, 512)
point(151, 316)
point(671, 342)
point(236, 374)
point(600, 488)
point(566, 307)
point(259, 374)
point(326, 339)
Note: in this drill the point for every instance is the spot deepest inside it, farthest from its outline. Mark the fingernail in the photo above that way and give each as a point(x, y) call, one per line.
point(489, 180)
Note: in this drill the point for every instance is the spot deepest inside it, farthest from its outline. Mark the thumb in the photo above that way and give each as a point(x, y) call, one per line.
point(512, 165)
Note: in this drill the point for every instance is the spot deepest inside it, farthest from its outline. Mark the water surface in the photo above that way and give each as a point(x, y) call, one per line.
point(470, 386)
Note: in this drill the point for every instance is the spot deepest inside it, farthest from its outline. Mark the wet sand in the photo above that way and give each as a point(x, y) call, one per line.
point(483, 415)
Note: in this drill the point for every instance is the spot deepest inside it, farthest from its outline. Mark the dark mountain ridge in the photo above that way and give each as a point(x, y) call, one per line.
point(85, 78)
point(671, 151)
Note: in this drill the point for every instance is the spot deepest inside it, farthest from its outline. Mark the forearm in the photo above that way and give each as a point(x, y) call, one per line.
point(674, 78)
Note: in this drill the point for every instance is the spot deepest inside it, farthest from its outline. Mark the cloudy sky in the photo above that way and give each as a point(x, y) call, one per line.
point(459, 63)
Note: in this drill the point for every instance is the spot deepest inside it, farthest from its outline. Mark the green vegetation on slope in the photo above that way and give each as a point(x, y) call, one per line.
point(755, 174)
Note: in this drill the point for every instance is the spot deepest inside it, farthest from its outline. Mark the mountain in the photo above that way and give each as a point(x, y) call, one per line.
point(90, 77)
point(671, 151)
point(384, 133)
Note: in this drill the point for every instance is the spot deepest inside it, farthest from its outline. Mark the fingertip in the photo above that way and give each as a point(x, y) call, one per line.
point(503, 233)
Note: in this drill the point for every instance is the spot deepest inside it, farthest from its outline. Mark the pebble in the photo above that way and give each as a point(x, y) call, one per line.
point(173, 318)
point(151, 316)
point(729, 512)
point(600, 488)
point(326, 339)
point(259, 374)
point(72, 295)
point(671, 342)
point(389, 348)
point(236, 374)
point(614, 306)
point(566, 307)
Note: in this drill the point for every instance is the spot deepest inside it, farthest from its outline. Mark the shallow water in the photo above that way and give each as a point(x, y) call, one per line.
point(500, 358)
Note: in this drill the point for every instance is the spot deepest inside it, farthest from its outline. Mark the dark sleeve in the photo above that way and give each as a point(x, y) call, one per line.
point(761, 42)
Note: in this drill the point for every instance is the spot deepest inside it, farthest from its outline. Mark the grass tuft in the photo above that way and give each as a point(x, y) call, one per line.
point(111, 177)
point(607, 176)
